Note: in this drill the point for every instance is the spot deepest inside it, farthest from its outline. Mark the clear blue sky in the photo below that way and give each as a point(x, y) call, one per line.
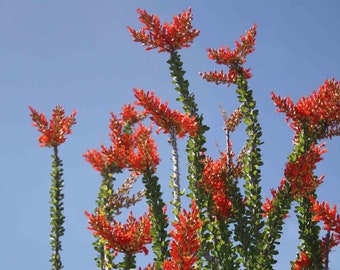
point(79, 54)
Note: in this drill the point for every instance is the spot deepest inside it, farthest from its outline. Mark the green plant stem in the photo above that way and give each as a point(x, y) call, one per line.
point(129, 262)
point(273, 228)
point(56, 210)
point(309, 233)
point(237, 212)
point(195, 146)
point(249, 247)
point(275, 219)
point(105, 258)
point(195, 151)
point(159, 219)
point(309, 230)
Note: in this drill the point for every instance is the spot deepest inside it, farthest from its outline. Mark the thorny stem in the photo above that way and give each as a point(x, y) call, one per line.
point(175, 175)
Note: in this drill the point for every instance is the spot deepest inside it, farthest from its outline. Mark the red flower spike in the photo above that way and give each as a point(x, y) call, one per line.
point(53, 133)
point(145, 157)
point(122, 141)
point(232, 59)
point(318, 114)
point(130, 115)
point(214, 182)
point(300, 173)
point(237, 57)
point(129, 238)
point(131, 147)
point(163, 117)
point(218, 78)
point(107, 157)
point(185, 240)
point(329, 216)
point(168, 37)
point(98, 161)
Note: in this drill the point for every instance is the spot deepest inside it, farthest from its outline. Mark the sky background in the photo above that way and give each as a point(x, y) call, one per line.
point(80, 54)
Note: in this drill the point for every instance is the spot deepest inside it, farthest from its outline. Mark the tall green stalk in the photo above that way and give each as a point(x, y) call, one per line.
point(195, 151)
point(195, 146)
point(56, 210)
point(250, 234)
point(159, 219)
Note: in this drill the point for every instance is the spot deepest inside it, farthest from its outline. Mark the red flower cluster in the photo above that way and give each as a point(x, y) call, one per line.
point(132, 147)
point(300, 176)
point(54, 132)
point(100, 160)
point(164, 117)
point(129, 238)
point(185, 241)
point(232, 59)
point(214, 182)
point(302, 262)
point(168, 37)
point(145, 156)
point(331, 219)
point(329, 216)
point(130, 115)
point(300, 172)
point(318, 114)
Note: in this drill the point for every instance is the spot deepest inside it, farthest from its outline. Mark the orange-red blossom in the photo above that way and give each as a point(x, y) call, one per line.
point(167, 37)
point(165, 118)
point(185, 240)
point(214, 182)
point(330, 216)
point(131, 146)
point(129, 238)
point(318, 114)
point(331, 219)
point(300, 172)
point(232, 59)
point(53, 133)
point(299, 175)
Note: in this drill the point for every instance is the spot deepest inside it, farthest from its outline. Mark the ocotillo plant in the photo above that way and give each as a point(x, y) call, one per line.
point(230, 225)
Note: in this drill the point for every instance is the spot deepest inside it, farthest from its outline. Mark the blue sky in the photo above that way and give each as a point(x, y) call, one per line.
point(80, 54)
